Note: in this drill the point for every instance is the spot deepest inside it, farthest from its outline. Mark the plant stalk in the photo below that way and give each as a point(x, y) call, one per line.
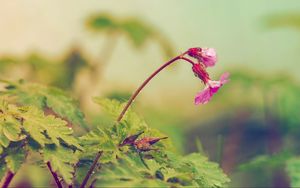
point(134, 95)
point(89, 173)
point(55, 176)
point(7, 179)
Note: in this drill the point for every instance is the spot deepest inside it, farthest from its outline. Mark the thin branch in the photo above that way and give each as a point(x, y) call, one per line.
point(55, 176)
point(89, 173)
point(7, 179)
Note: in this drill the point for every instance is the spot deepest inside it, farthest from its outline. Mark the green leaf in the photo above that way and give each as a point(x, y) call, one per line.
point(293, 170)
point(132, 123)
point(15, 159)
point(128, 172)
point(62, 161)
point(3, 139)
point(191, 169)
point(207, 174)
point(98, 140)
point(64, 105)
point(47, 129)
point(12, 129)
point(42, 97)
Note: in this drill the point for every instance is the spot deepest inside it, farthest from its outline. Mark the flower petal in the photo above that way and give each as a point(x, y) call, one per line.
point(203, 96)
point(212, 87)
point(224, 78)
point(208, 57)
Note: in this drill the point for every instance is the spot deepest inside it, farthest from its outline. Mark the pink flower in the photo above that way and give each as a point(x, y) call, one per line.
point(207, 56)
point(210, 89)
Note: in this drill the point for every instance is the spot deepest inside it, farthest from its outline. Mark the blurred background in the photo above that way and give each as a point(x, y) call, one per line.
point(107, 48)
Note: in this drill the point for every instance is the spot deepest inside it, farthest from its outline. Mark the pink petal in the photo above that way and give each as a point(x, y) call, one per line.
point(224, 78)
point(212, 87)
point(208, 57)
point(203, 97)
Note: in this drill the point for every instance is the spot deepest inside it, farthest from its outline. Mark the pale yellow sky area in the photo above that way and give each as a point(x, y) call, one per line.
point(234, 28)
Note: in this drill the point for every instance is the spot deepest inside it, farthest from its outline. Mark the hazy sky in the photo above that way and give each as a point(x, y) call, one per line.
point(233, 27)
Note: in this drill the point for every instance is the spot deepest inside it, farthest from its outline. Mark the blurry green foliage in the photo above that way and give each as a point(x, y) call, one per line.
point(271, 99)
point(59, 72)
point(137, 31)
point(119, 95)
point(283, 20)
point(267, 161)
point(276, 92)
point(293, 169)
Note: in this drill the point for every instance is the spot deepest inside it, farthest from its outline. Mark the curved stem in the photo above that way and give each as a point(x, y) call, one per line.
point(58, 183)
point(89, 173)
point(7, 179)
point(135, 94)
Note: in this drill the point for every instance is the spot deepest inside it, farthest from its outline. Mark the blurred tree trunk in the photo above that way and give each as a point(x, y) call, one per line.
point(274, 141)
point(232, 142)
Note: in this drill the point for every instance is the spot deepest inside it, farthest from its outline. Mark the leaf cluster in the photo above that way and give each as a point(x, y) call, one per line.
point(34, 118)
point(125, 166)
point(40, 119)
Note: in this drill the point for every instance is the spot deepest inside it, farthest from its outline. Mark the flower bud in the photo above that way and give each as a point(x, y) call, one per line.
point(130, 140)
point(145, 143)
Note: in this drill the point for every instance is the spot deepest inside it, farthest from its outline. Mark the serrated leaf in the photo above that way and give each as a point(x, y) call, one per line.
point(15, 160)
point(3, 139)
point(128, 172)
point(97, 140)
point(64, 105)
point(206, 173)
point(62, 161)
point(11, 129)
point(131, 122)
point(47, 129)
point(42, 97)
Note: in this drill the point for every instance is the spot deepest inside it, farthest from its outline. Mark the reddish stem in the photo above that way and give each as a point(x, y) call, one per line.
point(89, 173)
point(134, 95)
point(55, 176)
point(7, 179)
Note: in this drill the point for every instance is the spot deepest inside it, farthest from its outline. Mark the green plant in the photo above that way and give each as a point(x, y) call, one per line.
point(36, 119)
